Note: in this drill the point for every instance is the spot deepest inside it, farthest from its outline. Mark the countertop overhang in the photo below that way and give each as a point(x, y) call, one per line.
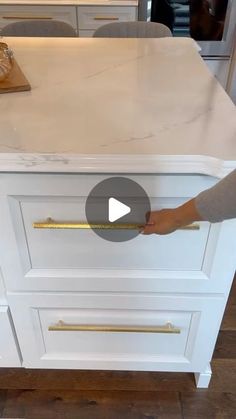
point(116, 106)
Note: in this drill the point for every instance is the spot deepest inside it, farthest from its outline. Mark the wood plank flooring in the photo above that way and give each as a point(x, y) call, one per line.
point(57, 394)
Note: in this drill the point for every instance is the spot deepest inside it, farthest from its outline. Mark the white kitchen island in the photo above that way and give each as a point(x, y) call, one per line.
point(146, 109)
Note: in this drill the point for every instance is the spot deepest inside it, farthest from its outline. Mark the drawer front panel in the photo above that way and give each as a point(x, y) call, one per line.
point(186, 261)
point(83, 249)
point(115, 332)
point(86, 33)
point(9, 355)
point(95, 16)
point(9, 14)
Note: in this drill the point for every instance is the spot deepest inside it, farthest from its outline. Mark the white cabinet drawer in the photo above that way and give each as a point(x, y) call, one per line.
point(9, 355)
point(45, 259)
point(9, 14)
point(132, 335)
point(83, 249)
point(91, 17)
point(86, 33)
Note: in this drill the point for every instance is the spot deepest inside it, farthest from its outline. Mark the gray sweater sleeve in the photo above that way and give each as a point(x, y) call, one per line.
point(219, 202)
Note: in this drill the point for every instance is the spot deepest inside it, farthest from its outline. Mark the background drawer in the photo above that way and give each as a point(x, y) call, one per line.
point(9, 14)
point(86, 33)
point(34, 316)
point(9, 355)
point(91, 17)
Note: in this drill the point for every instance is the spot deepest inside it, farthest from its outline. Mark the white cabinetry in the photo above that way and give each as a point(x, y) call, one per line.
point(13, 13)
point(84, 19)
point(60, 260)
point(92, 17)
point(127, 332)
point(9, 354)
point(79, 301)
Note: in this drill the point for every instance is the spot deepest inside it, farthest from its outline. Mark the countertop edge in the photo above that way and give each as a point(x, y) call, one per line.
point(92, 163)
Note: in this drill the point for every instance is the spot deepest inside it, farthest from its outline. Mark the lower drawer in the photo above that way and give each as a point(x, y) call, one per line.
point(128, 332)
point(9, 355)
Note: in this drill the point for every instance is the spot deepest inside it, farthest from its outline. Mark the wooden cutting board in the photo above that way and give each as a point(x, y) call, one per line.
point(15, 81)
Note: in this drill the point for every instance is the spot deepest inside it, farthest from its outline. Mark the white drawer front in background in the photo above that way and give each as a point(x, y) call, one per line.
point(9, 355)
point(95, 16)
point(187, 350)
point(185, 261)
point(86, 33)
point(9, 14)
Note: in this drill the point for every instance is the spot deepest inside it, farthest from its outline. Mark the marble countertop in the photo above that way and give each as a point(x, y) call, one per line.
point(70, 2)
point(118, 106)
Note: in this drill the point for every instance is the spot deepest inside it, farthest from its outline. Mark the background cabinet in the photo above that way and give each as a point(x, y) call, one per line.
point(13, 13)
point(91, 18)
point(85, 19)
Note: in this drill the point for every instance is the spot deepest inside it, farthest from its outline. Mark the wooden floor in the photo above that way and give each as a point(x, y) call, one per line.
point(38, 394)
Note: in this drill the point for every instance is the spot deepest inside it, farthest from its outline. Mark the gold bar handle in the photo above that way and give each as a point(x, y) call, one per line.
point(21, 17)
point(59, 225)
point(51, 224)
point(194, 226)
point(105, 18)
point(66, 327)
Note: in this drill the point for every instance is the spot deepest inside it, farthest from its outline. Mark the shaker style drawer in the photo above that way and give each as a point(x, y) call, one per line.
point(51, 248)
point(107, 332)
point(57, 259)
point(9, 14)
point(91, 17)
point(9, 355)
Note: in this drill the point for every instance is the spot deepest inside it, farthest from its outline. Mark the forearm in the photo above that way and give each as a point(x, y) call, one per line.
point(213, 205)
point(218, 203)
point(187, 213)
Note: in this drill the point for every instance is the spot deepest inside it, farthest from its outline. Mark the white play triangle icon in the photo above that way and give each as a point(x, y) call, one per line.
point(117, 210)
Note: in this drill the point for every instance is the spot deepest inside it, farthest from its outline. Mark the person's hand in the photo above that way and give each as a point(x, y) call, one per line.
point(161, 222)
point(167, 221)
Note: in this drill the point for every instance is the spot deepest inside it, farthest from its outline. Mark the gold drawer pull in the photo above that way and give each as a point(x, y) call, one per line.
point(27, 17)
point(105, 18)
point(66, 327)
point(194, 226)
point(58, 225)
point(51, 224)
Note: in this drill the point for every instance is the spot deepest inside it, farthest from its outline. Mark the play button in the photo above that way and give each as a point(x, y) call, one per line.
point(116, 209)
